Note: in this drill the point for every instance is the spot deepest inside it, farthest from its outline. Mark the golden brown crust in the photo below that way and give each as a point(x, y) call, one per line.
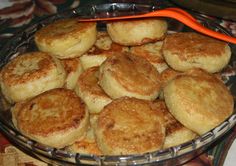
point(176, 133)
point(61, 29)
point(71, 65)
point(104, 44)
point(95, 51)
point(170, 122)
point(186, 50)
point(199, 101)
point(192, 44)
point(129, 126)
point(88, 81)
point(21, 76)
point(152, 52)
point(137, 32)
point(104, 47)
point(53, 113)
point(167, 75)
point(66, 38)
point(92, 94)
point(73, 68)
point(135, 75)
point(21, 70)
point(43, 121)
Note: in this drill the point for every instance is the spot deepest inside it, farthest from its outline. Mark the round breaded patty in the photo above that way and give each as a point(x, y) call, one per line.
point(55, 118)
point(73, 68)
point(129, 126)
point(198, 100)
point(152, 52)
point(66, 38)
point(91, 93)
point(186, 50)
point(30, 74)
point(176, 133)
point(129, 75)
point(103, 48)
point(137, 32)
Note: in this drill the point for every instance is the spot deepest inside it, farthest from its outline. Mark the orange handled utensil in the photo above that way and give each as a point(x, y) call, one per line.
point(175, 13)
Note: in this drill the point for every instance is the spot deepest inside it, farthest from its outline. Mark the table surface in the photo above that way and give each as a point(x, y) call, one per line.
point(221, 153)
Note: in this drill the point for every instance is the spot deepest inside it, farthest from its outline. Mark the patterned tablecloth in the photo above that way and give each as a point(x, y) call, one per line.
point(15, 14)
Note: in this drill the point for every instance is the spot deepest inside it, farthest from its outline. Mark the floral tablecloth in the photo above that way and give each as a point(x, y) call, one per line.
point(15, 14)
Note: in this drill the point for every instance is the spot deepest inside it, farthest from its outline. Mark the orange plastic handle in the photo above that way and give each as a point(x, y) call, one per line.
point(177, 14)
point(183, 12)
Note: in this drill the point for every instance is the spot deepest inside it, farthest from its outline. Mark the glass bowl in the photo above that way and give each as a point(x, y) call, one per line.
point(23, 42)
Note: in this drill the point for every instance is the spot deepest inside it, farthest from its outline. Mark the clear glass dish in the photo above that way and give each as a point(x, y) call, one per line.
point(23, 42)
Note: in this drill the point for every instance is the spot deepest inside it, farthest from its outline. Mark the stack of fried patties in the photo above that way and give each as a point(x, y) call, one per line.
point(131, 89)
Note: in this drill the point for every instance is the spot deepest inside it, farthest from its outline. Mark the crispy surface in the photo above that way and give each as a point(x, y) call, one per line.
point(103, 48)
point(73, 68)
point(167, 75)
point(129, 126)
point(45, 114)
point(134, 73)
point(62, 30)
point(104, 43)
point(190, 44)
point(185, 50)
point(66, 38)
point(53, 115)
point(176, 133)
point(92, 94)
point(27, 67)
point(129, 75)
point(137, 32)
point(59, 118)
point(171, 124)
point(199, 101)
point(152, 52)
point(71, 65)
point(88, 81)
point(25, 72)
